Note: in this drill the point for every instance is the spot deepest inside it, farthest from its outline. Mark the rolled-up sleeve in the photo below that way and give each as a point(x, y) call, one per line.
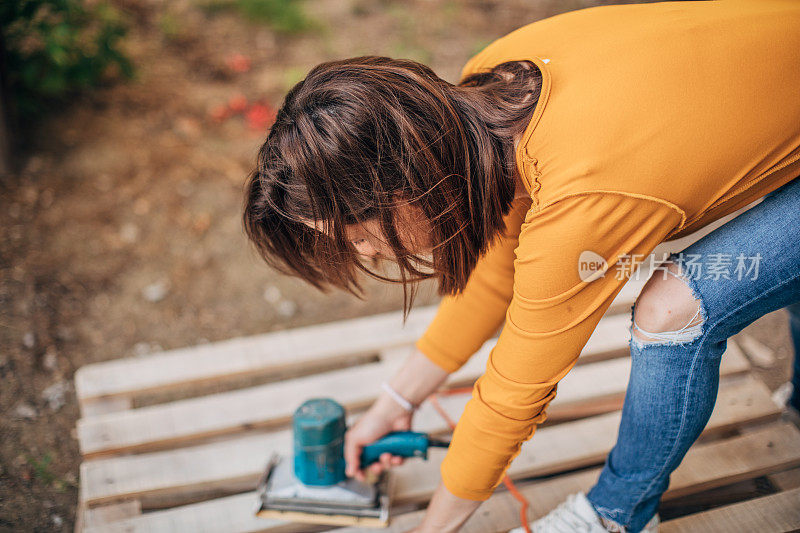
point(555, 305)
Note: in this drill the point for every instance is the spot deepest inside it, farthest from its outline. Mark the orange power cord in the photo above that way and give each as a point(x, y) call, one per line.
point(523, 509)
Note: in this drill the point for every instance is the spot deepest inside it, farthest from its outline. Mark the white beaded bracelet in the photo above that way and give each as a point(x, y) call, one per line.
point(405, 404)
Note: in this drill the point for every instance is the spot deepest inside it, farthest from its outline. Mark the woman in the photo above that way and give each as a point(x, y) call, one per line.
point(568, 151)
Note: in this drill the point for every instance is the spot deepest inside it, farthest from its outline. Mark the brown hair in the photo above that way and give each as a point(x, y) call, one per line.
point(358, 136)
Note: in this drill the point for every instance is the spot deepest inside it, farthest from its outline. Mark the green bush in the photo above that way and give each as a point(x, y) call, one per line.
point(57, 48)
point(284, 16)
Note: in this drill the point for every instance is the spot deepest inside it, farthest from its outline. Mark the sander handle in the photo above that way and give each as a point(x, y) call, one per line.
point(400, 443)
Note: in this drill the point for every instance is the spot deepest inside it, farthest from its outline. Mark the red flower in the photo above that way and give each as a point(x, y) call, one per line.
point(260, 116)
point(238, 63)
point(220, 113)
point(237, 104)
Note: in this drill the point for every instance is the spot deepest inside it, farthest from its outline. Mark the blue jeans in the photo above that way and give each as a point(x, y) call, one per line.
point(674, 379)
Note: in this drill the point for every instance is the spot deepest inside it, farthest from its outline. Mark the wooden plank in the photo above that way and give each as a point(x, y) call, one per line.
point(80, 517)
point(112, 513)
point(788, 480)
point(232, 514)
point(217, 414)
point(271, 352)
point(264, 406)
point(108, 405)
point(776, 512)
point(272, 405)
point(609, 340)
point(774, 448)
point(760, 355)
point(717, 497)
point(158, 478)
point(705, 466)
point(281, 351)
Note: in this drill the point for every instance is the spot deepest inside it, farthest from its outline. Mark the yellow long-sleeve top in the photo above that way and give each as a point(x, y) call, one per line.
point(653, 121)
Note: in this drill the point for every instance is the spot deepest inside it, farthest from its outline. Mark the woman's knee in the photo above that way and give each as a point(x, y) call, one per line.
point(666, 311)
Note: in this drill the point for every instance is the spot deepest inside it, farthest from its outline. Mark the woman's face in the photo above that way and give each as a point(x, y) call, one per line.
point(413, 229)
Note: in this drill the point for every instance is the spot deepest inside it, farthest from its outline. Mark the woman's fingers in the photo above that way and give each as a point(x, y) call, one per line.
point(352, 456)
point(359, 475)
point(386, 460)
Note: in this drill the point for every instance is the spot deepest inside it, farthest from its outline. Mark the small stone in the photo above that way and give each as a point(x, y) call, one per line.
point(55, 395)
point(57, 520)
point(29, 340)
point(155, 292)
point(287, 308)
point(34, 165)
point(201, 223)
point(272, 294)
point(47, 198)
point(25, 410)
point(188, 127)
point(140, 349)
point(30, 194)
point(129, 233)
point(50, 359)
point(16, 232)
point(65, 333)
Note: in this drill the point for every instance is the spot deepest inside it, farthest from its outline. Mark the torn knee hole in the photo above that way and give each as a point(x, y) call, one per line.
point(667, 311)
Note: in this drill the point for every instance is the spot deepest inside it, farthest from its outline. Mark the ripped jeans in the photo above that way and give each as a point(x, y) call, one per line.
point(675, 375)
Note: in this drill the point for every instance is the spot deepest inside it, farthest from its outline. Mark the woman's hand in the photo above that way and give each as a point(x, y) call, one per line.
point(416, 379)
point(383, 417)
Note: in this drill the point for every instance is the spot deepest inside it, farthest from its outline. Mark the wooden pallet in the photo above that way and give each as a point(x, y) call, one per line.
point(160, 456)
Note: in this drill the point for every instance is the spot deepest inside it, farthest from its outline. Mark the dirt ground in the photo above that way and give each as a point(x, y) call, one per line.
point(121, 234)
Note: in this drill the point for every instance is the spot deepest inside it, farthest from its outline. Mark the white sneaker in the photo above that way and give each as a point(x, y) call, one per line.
point(576, 515)
point(782, 394)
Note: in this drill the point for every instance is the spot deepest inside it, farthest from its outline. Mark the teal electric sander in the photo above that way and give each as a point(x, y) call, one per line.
point(314, 488)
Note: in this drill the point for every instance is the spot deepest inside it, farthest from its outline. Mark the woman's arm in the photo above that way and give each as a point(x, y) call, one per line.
point(446, 512)
point(418, 378)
